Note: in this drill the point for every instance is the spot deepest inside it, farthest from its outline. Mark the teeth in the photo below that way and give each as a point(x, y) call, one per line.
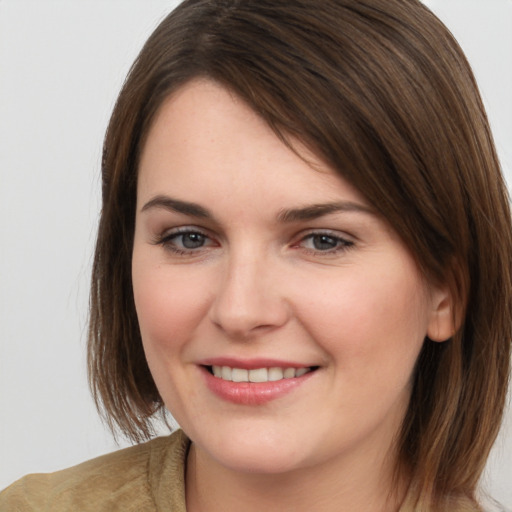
point(301, 371)
point(258, 374)
point(239, 375)
point(289, 373)
point(275, 374)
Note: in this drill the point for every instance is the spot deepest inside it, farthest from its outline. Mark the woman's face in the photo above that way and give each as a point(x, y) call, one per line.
point(280, 279)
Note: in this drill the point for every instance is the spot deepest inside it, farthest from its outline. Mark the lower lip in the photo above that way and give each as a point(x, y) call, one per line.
point(252, 393)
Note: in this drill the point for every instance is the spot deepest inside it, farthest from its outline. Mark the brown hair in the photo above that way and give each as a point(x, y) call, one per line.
point(381, 90)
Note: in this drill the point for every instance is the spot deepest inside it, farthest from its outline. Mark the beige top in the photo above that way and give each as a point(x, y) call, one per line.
point(145, 478)
point(149, 477)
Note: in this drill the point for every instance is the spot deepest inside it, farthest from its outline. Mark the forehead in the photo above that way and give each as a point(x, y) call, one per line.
point(205, 139)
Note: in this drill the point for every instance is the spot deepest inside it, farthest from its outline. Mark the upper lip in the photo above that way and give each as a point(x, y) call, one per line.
point(252, 364)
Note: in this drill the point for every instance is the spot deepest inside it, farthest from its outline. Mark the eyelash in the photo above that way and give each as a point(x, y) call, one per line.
point(168, 241)
point(341, 244)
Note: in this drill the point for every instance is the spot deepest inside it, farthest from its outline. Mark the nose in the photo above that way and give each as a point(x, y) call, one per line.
point(249, 299)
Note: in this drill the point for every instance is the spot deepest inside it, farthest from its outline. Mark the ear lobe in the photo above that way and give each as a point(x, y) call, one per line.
point(445, 316)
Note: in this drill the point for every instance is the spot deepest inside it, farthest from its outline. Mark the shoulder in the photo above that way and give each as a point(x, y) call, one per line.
point(117, 481)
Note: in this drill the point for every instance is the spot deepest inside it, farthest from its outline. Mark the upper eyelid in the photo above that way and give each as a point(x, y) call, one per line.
point(342, 235)
point(295, 238)
point(344, 239)
point(167, 240)
point(178, 230)
point(303, 233)
point(166, 236)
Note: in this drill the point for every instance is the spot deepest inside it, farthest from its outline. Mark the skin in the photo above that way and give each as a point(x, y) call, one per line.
point(257, 285)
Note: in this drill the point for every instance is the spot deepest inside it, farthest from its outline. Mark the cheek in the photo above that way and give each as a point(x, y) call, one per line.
point(169, 309)
point(169, 305)
point(371, 322)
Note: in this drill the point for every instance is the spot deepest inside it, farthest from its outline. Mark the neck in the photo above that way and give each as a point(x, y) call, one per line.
point(341, 486)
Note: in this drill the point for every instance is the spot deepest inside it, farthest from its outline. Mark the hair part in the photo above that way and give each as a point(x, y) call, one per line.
point(383, 93)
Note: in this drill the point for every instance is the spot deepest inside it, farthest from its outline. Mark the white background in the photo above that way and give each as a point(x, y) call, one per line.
point(61, 66)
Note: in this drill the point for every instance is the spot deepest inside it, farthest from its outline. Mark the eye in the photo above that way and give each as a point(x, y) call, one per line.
point(325, 243)
point(189, 240)
point(184, 241)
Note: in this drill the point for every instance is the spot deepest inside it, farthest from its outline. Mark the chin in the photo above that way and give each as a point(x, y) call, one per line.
point(259, 461)
point(251, 453)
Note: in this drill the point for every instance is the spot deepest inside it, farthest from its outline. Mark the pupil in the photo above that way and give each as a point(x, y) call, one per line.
point(192, 240)
point(324, 242)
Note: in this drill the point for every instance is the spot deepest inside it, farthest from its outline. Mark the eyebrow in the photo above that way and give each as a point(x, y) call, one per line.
point(316, 211)
point(309, 212)
point(175, 205)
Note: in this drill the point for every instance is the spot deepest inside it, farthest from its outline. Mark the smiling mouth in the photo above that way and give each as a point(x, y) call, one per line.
point(257, 375)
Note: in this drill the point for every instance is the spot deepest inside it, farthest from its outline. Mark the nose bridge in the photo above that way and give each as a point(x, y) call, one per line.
point(249, 298)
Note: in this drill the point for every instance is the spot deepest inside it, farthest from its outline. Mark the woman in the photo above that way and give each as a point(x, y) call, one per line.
point(304, 255)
